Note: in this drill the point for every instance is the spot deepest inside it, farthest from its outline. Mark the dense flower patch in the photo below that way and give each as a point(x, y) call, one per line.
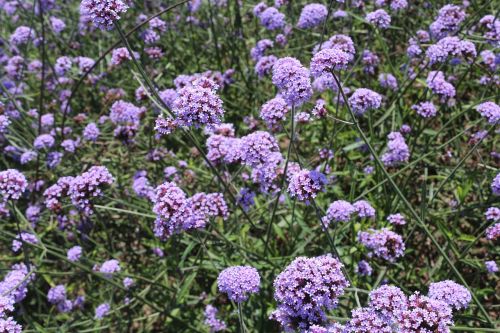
point(234, 166)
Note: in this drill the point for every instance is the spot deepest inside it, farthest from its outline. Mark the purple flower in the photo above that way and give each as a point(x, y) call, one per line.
point(338, 211)
point(490, 111)
point(379, 18)
point(387, 300)
point(265, 65)
point(388, 80)
point(102, 311)
point(91, 132)
point(397, 150)
point(260, 48)
point(57, 24)
point(14, 67)
point(28, 156)
point(165, 126)
point(53, 159)
point(272, 19)
point(44, 141)
point(292, 80)
point(425, 109)
point(223, 149)
point(120, 55)
point(4, 123)
point(364, 209)
point(14, 285)
point(367, 320)
point(340, 42)
point(62, 65)
point(33, 213)
point(493, 214)
point(199, 104)
point(306, 184)
point(437, 83)
point(25, 237)
point(167, 200)
point(281, 39)
point(141, 185)
point(306, 289)
point(491, 266)
point(259, 8)
point(363, 268)
point(128, 282)
point(328, 60)
point(6, 305)
point(74, 253)
point(447, 21)
point(256, 147)
point(238, 282)
point(363, 100)
point(452, 293)
point(312, 15)
point(384, 244)
point(22, 35)
point(320, 110)
point(398, 4)
point(266, 174)
point(56, 294)
point(12, 184)
point(9, 325)
point(104, 12)
point(370, 61)
point(215, 325)
point(450, 47)
point(87, 186)
point(109, 267)
point(168, 96)
point(396, 219)
point(159, 252)
point(175, 212)
point(495, 185)
point(493, 232)
point(56, 192)
point(70, 145)
point(273, 112)
point(246, 198)
point(424, 314)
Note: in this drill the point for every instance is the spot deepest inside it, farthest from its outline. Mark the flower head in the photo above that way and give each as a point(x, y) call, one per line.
point(450, 292)
point(306, 289)
point(238, 282)
point(104, 12)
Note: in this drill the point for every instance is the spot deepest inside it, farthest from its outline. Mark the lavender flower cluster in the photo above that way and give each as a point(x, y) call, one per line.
point(176, 212)
point(306, 289)
point(342, 211)
point(384, 243)
point(238, 282)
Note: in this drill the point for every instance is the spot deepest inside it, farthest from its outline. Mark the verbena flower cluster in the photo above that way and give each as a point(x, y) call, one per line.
point(12, 184)
point(342, 211)
point(306, 289)
point(397, 151)
point(238, 282)
point(384, 243)
point(312, 15)
point(176, 212)
point(104, 12)
point(115, 141)
point(292, 80)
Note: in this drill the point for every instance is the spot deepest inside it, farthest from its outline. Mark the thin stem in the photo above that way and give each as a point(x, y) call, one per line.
point(240, 317)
